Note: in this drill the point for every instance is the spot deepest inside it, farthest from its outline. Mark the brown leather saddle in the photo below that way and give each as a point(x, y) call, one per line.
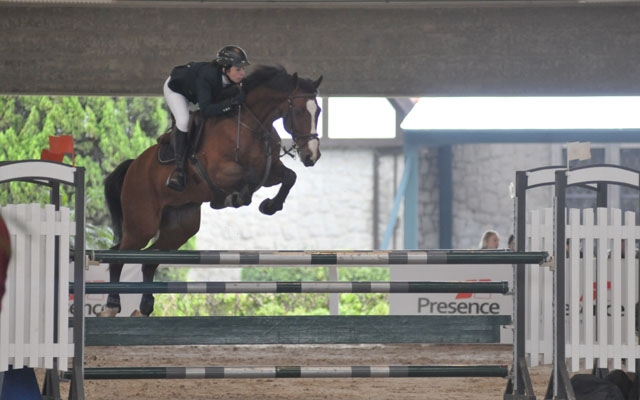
point(194, 138)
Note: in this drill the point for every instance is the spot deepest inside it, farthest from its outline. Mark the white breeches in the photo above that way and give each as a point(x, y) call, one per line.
point(179, 106)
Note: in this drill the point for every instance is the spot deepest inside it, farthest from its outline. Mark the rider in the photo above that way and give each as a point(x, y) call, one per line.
point(200, 83)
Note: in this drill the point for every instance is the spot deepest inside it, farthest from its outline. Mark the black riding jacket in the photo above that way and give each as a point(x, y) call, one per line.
point(201, 83)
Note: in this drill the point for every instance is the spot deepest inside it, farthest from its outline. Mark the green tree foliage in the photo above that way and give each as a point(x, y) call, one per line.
point(281, 304)
point(106, 131)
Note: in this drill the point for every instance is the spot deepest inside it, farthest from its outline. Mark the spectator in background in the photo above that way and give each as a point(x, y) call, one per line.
point(490, 240)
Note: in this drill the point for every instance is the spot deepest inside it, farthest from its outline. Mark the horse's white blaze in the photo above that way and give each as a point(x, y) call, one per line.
point(312, 107)
point(313, 146)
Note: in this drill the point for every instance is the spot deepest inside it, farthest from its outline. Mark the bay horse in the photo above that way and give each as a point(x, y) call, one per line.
point(237, 155)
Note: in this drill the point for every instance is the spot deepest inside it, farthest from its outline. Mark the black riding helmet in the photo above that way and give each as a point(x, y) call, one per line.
point(232, 56)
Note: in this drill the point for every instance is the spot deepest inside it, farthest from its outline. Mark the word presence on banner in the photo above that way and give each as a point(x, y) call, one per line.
point(453, 303)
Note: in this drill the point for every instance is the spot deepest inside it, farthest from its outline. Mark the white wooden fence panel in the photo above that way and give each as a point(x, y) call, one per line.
point(601, 284)
point(601, 288)
point(630, 282)
point(539, 318)
point(34, 274)
point(49, 283)
point(21, 258)
point(572, 268)
point(615, 230)
point(588, 287)
point(547, 294)
point(532, 306)
point(27, 323)
point(66, 232)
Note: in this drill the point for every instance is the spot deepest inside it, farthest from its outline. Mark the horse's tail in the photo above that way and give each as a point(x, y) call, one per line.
point(112, 190)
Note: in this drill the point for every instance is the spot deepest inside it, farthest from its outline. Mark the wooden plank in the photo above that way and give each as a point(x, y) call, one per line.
point(293, 330)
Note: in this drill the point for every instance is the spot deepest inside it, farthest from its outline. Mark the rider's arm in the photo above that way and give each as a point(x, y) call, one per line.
point(207, 88)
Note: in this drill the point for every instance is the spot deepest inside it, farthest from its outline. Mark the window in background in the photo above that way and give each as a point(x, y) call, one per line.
point(361, 118)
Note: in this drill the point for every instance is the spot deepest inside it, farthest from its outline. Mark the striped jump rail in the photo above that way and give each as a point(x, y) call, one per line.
point(294, 287)
point(367, 257)
point(400, 371)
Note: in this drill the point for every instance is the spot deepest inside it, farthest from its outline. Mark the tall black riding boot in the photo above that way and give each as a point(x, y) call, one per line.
point(178, 178)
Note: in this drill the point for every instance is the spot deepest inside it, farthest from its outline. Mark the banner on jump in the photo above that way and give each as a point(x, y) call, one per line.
point(453, 303)
point(94, 303)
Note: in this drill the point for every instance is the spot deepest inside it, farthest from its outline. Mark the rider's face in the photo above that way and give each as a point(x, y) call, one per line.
point(236, 74)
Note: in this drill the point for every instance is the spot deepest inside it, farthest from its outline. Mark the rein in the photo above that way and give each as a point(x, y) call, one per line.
point(266, 140)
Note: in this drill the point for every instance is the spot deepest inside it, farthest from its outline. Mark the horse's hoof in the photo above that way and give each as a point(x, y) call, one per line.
point(216, 206)
point(108, 312)
point(137, 313)
point(267, 208)
point(233, 200)
point(264, 208)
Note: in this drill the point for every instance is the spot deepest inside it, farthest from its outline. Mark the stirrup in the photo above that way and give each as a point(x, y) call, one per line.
point(176, 180)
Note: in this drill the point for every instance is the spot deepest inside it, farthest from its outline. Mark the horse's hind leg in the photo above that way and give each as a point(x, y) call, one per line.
point(113, 305)
point(113, 300)
point(131, 240)
point(178, 225)
point(279, 174)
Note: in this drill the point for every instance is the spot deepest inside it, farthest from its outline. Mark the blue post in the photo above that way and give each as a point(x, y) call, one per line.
point(411, 199)
point(403, 189)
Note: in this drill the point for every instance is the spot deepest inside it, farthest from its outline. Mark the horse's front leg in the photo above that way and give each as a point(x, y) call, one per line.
point(240, 183)
point(284, 176)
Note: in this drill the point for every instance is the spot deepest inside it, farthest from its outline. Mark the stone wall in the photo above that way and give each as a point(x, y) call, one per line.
point(482, 174)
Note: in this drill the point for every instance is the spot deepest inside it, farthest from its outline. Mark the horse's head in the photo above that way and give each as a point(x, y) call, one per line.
point(272, 93)
point(301, 119)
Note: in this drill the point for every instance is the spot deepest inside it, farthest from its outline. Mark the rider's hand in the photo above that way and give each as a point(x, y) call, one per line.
point(238, 98)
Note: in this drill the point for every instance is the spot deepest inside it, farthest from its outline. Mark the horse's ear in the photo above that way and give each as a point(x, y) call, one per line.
point(318, 82)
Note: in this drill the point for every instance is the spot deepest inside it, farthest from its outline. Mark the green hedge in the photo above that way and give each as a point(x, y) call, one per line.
point(278, 304)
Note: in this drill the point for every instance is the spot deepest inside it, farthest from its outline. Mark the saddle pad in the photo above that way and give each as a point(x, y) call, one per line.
point(165, 153)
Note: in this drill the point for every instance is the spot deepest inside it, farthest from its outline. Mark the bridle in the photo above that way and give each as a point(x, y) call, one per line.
point(299, 140)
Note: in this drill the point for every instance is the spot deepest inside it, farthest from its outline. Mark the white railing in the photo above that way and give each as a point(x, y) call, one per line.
point(539, 290)
point(34, 319)
point(601, 275)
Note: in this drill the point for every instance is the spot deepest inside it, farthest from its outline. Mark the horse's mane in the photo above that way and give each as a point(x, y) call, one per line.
point(274, 77)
